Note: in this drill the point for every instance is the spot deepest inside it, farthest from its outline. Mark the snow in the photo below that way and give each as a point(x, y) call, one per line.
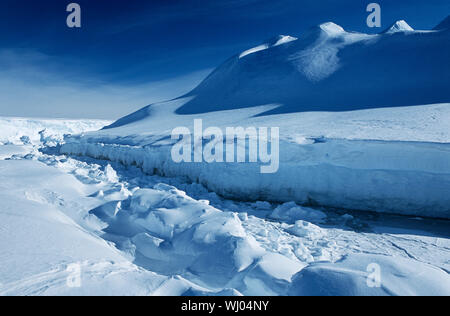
point(444, 25)
point(7, 151)
point(306, 230)
point(328, 58)
point(359, 206)
point(136, 234)
point(13, 129)
point(348, 277)
point(393, 160)
point(399, 26)
point(38, 242)
point(372, 158)
point(331, 28)
point(277, 41)
point(292, 212)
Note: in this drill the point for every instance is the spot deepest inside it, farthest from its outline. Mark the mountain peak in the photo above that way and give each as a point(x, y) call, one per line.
point(399, 26)
point(445, 24)
point(331, 28)
point(272, 42)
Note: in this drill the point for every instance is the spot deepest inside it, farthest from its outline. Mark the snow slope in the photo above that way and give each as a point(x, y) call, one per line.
point(135, 234)
point(344, 278)
point(444, 25)
point(373, 158)
point(354, 160)
point(13, 130)
point(39, 243)
point(330, 69)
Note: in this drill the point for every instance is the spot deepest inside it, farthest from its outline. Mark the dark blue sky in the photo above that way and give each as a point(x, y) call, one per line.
point(142, 51)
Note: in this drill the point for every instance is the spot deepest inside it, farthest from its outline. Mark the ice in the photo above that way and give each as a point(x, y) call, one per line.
point(397, 276)
point(136, 234)
point(111, 174)
point(16, 130)
point(444, 25)
point(306, 230)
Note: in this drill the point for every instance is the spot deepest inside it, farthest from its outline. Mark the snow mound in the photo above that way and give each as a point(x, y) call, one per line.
point(409, 178)
point(45, 244)
point(352, 276)
point(399, 26)
point(331, 28)
point(133, 117)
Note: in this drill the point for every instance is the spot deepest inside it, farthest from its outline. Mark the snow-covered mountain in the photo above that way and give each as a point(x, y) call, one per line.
point(351, 133)
point(133, 221)
point(330, 69)
point(399, 26)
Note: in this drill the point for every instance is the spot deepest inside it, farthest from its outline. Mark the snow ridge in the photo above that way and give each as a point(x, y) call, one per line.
point(399, 26)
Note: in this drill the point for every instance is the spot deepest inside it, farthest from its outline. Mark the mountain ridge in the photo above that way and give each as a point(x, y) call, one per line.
point(399, 26)
point(327, 68)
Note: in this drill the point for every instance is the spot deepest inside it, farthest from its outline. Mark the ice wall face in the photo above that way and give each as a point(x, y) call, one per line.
point(330, 69)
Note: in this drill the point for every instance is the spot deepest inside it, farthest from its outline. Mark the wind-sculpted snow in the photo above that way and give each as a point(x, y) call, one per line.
point(136, 222)
point(130, 233)
point(399, 277)
point(399, 26)
point(382, 159)
point(444, 25)
point(327, 69)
